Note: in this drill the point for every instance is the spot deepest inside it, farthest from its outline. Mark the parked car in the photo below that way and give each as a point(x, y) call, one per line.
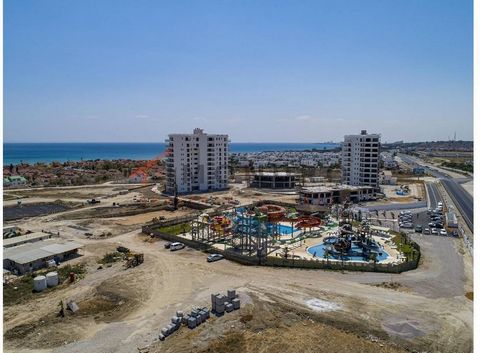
point(434, 231)
point(443, 232)
point(426, 231)
point(214, 257)
point(439, 225)
point(418, 228)
point(431, 225)
point(176, 246)
point(406, 225)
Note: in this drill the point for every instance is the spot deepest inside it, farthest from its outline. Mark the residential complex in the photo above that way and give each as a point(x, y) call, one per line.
point(196, 162)
point(360, 159)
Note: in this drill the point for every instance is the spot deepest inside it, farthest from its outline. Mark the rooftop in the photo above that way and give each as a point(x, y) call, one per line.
point(9, 242)
point(24, 254)
point(324, 188)
point(276, 174)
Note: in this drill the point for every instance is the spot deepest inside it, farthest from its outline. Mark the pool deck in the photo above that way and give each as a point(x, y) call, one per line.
point(393, 254)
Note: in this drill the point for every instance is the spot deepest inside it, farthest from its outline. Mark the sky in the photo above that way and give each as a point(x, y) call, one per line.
point(260, 71)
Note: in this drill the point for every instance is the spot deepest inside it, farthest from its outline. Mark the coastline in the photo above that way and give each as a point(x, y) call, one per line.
point(31, 153)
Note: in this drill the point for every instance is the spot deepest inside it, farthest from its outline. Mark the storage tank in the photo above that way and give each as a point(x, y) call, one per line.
point(52, 279)
point(39, 283)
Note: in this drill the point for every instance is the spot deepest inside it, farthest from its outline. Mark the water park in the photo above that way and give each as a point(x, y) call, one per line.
point(266, 231)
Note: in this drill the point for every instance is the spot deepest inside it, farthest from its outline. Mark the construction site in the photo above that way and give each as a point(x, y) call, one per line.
point(124, 287)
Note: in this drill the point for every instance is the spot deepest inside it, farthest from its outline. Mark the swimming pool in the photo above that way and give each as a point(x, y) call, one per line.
point(355, 253)
point(283, 229)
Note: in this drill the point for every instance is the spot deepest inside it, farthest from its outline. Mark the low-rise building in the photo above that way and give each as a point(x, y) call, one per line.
point(273, 180)
point(30, 257)
point(329, 195)
point(24, 239)
point(14, 181)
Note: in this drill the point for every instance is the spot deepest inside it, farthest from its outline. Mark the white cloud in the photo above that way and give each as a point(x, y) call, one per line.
point(303, 118)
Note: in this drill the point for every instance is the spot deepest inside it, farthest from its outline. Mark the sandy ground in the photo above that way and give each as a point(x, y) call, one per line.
point(436, 310)
point(122, 310)
point(417, 191)
point(468, 186)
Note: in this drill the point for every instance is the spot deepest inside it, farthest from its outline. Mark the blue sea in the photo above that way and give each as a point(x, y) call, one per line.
point(14, 153)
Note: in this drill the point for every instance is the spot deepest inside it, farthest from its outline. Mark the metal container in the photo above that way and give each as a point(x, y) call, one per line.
point(179, 313)
point(231, 294)
point(161, 337)
point(39, 283)
point(185, 319)
point(199, 319)
point(229, 308)
point(165, 331)
point(52, 279)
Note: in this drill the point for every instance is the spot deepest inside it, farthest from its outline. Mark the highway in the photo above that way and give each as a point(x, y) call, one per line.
point(462, 199)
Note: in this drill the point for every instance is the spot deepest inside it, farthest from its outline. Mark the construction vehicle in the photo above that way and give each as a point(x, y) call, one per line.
point(133, 259)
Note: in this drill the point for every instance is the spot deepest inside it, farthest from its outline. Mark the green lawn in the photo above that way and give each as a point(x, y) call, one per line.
point(175, 229)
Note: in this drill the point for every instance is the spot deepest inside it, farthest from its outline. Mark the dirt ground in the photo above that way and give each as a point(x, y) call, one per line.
point(121, 309)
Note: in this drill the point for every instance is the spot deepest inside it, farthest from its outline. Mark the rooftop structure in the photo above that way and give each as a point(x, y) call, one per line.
point(196, 162)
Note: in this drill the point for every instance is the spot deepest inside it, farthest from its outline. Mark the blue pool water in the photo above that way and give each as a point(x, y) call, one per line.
point(355, 253)
point(283, 229)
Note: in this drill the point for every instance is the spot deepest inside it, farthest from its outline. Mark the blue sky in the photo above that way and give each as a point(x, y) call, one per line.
point(276, 71)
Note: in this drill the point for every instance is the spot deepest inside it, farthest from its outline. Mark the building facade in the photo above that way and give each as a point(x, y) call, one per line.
point(360, 159)
point(330, 195)
point(196, 162)
point(273, 180)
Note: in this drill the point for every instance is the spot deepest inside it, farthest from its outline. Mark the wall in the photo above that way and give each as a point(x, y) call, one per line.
point(282, 262)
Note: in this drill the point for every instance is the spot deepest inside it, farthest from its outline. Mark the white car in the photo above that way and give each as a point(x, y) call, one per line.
point(176, 246)
point(443, 232)
point(434, 231)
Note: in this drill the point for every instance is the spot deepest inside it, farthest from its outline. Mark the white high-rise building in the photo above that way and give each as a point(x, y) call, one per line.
point(360, 159)
point(196, 162)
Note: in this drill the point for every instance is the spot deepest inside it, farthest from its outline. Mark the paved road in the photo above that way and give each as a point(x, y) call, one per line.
point(395, 206)
point(462, 199)
point(433, 195)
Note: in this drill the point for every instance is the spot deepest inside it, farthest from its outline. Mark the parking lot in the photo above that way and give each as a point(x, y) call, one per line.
point(426, 222)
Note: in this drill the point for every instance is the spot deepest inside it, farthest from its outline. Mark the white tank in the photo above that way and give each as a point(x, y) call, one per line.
point(52, 279)
point(39, 283)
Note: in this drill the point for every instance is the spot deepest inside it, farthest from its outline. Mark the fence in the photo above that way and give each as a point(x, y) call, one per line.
point(311, 263)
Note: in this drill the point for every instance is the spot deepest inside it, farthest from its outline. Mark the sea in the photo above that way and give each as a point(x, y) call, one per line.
point(15, 153)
